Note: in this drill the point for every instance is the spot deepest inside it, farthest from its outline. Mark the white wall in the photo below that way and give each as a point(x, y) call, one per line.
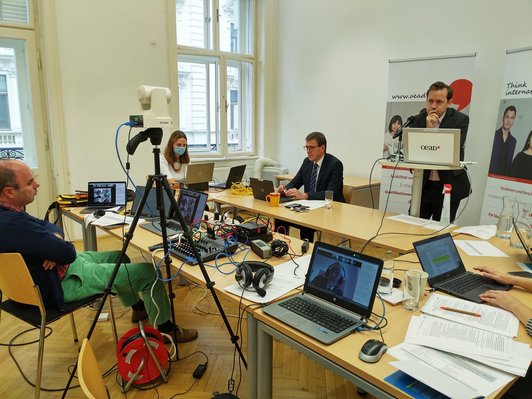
point(332, 71)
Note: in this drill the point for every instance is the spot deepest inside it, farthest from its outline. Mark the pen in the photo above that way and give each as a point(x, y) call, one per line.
point(460, 311)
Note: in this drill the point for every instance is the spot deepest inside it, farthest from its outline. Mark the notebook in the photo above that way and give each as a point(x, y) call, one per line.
point(339, 281)
point(150, 207)
point(105, 195)
point(236, 173)
point(199, 175)
point(191, 204)
point(524, 243)
point(261, 188)
point(440, 259)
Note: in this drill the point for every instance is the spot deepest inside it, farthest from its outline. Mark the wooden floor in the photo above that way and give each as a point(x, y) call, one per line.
point(295, 376)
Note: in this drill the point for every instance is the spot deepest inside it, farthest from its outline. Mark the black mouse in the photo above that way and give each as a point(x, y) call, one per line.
point(372, 351)
point(99, 213)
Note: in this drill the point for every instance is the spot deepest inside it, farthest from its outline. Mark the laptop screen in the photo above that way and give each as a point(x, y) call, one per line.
point(150, 208)
point(106, 194)
point(439, 257)
point(343, 277)
point(191, 204)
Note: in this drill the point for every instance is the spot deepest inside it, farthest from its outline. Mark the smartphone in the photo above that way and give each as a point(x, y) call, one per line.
point(521, 274)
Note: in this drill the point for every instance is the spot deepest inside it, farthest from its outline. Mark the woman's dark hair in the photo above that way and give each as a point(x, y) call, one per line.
point(395, 118)
point(169, 150)
point(527, 142)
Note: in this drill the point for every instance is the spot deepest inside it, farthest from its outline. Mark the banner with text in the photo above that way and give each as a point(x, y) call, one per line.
point(510, 169)
point(408, 83)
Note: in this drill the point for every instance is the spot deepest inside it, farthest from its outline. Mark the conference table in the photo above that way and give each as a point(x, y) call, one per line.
point(345, 221)
point(342, 356)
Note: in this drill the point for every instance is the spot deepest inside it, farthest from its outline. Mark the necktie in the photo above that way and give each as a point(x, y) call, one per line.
point(313, 178)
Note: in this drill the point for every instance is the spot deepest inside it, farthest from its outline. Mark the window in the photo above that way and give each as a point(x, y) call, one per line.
point(5, 120)
point(215, 72)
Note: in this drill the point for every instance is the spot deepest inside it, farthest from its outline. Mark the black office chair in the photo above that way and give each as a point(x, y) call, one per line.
point(25, 303)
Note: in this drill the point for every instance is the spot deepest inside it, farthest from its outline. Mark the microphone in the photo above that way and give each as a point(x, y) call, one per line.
point(408, 122)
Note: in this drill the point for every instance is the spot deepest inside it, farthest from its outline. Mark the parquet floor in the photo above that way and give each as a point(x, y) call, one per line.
point(295, 376)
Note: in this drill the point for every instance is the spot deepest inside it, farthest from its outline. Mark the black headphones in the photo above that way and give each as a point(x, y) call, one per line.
point(279, 248)
point(98, 213)
point(341, 279)
point(255, 274)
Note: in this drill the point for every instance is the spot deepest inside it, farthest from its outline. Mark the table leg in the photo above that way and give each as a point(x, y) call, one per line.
point(264, 367)
point(252, 356)
point(417, 186)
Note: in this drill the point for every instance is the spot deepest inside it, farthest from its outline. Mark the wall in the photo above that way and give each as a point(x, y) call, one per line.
point(332, 71)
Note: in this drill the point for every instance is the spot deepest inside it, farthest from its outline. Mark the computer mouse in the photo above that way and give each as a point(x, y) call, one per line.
point(372, 351)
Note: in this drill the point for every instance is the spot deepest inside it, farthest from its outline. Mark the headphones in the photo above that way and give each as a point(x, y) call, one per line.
point(279, 248)
point(255, 274)
point(98, 213)
point(341, 279)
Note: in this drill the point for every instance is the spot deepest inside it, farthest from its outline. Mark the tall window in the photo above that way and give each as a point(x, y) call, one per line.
point(5, 120)
point(215, 69)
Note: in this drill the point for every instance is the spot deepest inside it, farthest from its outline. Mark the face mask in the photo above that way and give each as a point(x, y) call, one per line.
point(179, 151)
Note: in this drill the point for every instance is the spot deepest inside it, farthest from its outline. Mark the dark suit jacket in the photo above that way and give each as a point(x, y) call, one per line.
point(331, 177)
point(453, 119)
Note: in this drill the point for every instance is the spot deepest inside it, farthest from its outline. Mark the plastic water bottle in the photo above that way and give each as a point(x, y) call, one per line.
point(445, 219)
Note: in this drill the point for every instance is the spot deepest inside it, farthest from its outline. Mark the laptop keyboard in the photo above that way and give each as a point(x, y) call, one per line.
point(318, 314)
point(466, 283)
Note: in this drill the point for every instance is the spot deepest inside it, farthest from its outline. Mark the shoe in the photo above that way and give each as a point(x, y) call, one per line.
point(180, 335)
point(138, 315)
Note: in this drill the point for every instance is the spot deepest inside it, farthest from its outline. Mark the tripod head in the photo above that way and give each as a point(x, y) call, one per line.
point(155, 134)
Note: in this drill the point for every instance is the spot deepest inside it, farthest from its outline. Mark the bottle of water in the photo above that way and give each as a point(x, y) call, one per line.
point(445, 219)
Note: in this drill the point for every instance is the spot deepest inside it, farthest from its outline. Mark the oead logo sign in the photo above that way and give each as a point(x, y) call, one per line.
point(430, 147)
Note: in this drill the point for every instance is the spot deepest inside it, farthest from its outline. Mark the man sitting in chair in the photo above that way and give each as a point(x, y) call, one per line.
point(64, 276)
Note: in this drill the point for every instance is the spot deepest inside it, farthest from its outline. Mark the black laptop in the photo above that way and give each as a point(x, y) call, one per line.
point(338, 295)
point(149, 211)
point(261, 188)
point(236, 173)
point(105, 195)
point(191, 204)
point(440, 259)
point(524, 242)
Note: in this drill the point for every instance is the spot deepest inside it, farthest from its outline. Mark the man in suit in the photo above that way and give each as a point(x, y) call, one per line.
point(319, 172)
point(440, 115)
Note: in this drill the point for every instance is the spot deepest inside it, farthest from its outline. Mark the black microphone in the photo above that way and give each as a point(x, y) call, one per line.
point(408, 122)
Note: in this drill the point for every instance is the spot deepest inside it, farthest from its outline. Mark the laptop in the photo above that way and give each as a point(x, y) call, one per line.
point(150, 207)
point(440, 259)
point(105, 195)
point(432, 146)
point(524, 243)
point(198, 176)
point(261, 188)
point(339, 281)
point(191, 204)
point(236, 173)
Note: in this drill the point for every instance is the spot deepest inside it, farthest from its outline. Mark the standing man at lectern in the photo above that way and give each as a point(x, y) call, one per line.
point(438, 114)
point(319, 172)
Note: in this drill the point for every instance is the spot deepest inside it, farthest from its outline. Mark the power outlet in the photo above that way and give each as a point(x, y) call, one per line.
point(103, 316)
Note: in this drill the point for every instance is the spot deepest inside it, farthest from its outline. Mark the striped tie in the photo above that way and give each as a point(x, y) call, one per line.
point(313, 178)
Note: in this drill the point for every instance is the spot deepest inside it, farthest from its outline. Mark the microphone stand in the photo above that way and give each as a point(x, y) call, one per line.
point(161, 183)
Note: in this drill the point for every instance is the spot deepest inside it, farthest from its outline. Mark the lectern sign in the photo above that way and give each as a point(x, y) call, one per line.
point(432, 146)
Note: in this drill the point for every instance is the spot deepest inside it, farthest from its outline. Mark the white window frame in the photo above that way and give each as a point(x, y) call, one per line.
point(223, 103)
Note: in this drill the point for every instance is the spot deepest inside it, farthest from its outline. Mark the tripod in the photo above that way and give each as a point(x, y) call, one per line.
point(162, 187)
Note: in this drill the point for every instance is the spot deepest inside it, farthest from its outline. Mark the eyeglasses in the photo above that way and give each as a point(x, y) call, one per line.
point(310, 147)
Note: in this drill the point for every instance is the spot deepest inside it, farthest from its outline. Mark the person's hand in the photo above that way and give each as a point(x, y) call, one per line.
point(296, 193)
point(281, 189)
point(502, 299)
point(432, 119)
point(490, 273)
point(49, 265)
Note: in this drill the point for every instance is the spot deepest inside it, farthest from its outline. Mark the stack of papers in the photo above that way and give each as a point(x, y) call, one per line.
point(462, 355)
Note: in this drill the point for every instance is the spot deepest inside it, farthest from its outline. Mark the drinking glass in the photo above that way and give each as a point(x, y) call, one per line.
point(329, 196)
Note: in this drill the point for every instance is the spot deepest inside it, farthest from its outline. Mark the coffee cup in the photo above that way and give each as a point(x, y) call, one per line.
point(273, 199)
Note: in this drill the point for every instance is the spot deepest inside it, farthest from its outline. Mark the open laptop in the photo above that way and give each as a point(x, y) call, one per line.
point(440, 259)
point(150, 207)
point(432, 146)
point(105, 195)
point(524, 243)
point(261, 188)
point(198, 176)
point(191, 204)
point(236, 173)
point(338, 281)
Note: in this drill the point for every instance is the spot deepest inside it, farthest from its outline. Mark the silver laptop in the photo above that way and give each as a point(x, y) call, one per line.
point(439, 257)
point(191, 204)
point(105, 195)
point(432, 146)
point(339, 293)
point(198, 176)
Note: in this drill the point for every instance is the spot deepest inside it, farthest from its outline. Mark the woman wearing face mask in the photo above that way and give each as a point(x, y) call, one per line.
point(176, 159)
